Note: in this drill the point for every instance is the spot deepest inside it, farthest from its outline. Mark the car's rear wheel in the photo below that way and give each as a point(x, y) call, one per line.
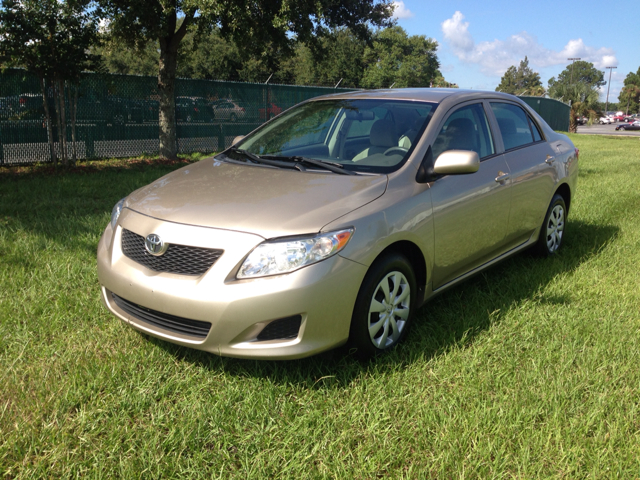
point(552, 231)
point(384, 307)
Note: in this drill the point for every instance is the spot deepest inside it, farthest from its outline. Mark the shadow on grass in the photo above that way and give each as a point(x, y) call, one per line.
point(71, 207)
point(450, 320)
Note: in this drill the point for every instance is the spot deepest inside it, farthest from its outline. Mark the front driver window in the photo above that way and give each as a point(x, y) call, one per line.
point(465, 129)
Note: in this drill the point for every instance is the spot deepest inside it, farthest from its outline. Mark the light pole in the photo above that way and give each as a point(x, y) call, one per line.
point(573, 60)
point(608, 87)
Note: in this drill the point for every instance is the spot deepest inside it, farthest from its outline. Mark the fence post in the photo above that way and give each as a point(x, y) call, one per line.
point(89, 147)
point(1, 149)
point(221, 141)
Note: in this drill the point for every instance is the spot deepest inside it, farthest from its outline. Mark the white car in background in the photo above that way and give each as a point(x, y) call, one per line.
point(606, 120)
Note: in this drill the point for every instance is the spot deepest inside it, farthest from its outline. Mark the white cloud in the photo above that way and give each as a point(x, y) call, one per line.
point(400, 11)
point(495, 57)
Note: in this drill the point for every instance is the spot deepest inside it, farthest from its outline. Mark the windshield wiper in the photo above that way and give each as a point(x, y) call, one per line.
point(299, 160)
point(256, 159)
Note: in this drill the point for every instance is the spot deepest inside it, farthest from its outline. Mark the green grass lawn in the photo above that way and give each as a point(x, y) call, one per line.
point(529, 370)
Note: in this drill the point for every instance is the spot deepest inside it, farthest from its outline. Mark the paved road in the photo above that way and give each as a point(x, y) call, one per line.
point(606, 130)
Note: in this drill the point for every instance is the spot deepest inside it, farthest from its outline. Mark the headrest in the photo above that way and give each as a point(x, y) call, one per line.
point(507, 126)
point(383, 134)
point(461, 134)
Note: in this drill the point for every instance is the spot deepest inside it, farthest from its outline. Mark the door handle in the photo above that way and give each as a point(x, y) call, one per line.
point(502, 177)
point(550, 159)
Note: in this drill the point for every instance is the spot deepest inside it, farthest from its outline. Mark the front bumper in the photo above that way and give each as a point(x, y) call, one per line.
point(323, 294)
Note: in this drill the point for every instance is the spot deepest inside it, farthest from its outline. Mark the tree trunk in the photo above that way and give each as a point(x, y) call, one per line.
point(56, 103)
point(63, 126)
point(47, 116)
point(573, 122)
point(73, 103)
point(168, 64)
point(166, 89)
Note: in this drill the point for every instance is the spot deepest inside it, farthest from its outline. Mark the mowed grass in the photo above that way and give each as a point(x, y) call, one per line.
point(529, 370)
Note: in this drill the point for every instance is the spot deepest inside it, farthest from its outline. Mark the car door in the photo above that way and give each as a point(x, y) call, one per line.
point(471, 211)
point(530, 159)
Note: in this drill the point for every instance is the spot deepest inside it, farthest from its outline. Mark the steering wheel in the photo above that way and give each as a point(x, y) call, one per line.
point(396, 150)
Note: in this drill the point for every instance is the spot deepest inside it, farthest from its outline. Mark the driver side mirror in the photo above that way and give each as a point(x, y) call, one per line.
point(455, 162)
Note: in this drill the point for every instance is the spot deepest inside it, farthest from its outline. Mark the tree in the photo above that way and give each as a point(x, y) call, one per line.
point(51, 39)
point(337, 58)
point(584, 102)
point(579, 72)
point(629, 97)
point(520, 80)
point(440, 82)
point(117, 57)
point(397, 59)
point(252, 25)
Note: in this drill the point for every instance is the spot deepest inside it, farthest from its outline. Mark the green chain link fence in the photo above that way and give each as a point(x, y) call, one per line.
point(555, 112)
point(117, 115)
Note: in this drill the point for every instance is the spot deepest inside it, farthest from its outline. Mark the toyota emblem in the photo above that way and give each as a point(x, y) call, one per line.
point(154, 244)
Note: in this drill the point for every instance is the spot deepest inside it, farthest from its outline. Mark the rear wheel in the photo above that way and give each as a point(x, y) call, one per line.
point(552, 231)
point(384, 307)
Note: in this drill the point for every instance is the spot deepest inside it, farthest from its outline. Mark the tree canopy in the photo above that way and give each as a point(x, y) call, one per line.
point(521, 80)
point(397, 59)
point(580, 72)
point(629, 98)
point(51, 39)
point(257, 26)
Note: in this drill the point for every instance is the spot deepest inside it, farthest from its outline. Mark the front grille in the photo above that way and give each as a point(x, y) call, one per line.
point(183, 326)
point(180, 259)
point(282, 329)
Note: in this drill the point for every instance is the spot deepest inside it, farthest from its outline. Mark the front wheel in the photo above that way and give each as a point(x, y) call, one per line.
point(552, 231)
point(384, 307)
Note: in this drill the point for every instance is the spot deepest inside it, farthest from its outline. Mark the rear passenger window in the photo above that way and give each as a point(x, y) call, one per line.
point(465, 129)
point(536, 133)
point(514, 125)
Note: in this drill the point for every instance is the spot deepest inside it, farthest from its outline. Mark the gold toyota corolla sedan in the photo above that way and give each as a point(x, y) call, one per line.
point(335, 221)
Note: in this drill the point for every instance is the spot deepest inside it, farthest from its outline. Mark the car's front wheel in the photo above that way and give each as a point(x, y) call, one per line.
point(552, 231)
point(384, 307)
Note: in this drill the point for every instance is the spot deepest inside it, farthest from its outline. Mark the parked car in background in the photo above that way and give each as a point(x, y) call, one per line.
point(336, 221)
point(25, 106)
point(629, 126)
point(618, 118)
point(193, 109)
point(582, 120)
point(231, 111)
point(271, 111)
point(605, 121)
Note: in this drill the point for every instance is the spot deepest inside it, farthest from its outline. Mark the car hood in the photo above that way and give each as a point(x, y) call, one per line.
point(268, 202)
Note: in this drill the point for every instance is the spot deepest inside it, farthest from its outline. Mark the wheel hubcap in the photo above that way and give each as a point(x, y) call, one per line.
point(389, 310)
point(555, 228)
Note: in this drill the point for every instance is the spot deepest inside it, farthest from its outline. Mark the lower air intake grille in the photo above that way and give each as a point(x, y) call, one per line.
point(282, 329)
point(183, 326)
point(180, 259)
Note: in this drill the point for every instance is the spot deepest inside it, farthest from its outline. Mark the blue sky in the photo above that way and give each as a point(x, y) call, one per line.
point(478, 41)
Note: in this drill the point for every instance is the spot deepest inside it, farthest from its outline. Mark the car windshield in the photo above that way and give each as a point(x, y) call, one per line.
point(375, 136)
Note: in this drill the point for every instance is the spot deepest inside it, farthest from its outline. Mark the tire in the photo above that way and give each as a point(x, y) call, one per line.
point(552, 230)
point(381, 319)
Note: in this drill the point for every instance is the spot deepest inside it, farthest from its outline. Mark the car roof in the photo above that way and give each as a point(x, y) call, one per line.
point(434, 95)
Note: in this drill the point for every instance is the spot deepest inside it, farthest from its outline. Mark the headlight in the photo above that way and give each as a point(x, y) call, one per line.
point(284, 256)
point(115, 213)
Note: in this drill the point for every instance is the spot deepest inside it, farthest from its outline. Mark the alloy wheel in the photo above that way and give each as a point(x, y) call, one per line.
point(555, 228)
point(389, 309)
